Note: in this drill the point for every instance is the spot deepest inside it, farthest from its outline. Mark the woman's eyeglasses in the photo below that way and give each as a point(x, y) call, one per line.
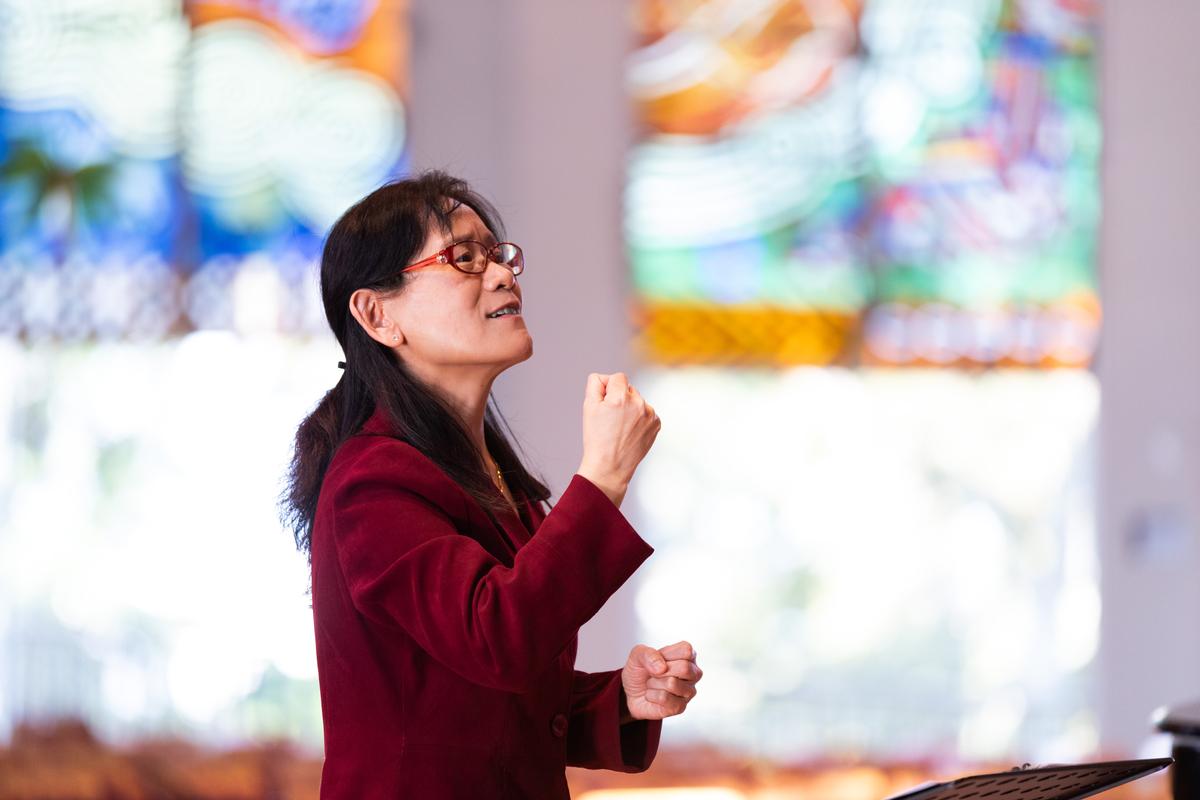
point(472, 257)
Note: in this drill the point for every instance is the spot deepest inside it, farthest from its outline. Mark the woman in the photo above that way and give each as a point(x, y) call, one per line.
point(446, 600)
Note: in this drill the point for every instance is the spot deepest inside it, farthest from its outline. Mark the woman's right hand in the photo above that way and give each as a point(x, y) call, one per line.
point(618, 429)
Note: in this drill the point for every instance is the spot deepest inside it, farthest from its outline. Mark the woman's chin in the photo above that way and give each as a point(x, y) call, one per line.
point(518, 352)
point(527, 352)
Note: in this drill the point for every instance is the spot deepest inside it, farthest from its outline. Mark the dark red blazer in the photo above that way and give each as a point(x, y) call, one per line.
point(446, 644)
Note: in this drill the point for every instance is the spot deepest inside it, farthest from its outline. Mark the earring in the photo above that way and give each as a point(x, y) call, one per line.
point(394, 337)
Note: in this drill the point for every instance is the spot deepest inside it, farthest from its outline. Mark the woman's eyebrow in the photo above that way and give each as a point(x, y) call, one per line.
point(488, 237)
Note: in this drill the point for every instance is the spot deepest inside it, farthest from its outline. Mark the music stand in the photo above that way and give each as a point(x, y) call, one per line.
point(1183, 723)
point(1055, 782)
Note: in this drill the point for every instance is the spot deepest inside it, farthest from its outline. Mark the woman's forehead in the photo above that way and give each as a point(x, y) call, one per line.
point(466, 224)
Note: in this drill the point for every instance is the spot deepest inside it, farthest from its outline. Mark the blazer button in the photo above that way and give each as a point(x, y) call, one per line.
point(558, 725)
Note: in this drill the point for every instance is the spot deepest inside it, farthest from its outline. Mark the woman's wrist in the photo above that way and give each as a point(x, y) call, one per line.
point(623, 714)
point(613, 490)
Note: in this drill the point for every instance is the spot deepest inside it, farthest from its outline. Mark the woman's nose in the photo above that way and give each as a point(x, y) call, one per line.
point(498, 275)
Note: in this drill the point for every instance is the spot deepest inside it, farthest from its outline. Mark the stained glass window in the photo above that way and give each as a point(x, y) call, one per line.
point(169, 169)
point(862, 242)
point(881, 182)
point(167, 173)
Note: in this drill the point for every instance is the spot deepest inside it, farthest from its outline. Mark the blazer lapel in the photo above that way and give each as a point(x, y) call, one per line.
point(536, 515)
point(468, 511)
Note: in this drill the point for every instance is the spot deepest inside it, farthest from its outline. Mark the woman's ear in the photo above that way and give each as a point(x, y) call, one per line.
point(366, 306)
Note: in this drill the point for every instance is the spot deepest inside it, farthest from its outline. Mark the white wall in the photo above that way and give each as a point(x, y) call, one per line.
point(1149, 364)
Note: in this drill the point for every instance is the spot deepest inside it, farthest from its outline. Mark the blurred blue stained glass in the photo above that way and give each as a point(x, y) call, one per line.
point(133, 132)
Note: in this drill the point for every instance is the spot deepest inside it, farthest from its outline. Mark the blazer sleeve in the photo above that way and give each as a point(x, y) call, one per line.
point(405, 564)
point(596, 739)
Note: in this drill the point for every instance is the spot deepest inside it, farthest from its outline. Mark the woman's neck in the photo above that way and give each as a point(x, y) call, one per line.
point(467, 393)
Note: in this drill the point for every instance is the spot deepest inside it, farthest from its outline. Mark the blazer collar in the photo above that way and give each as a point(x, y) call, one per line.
point(378, 422)
point(512, 526)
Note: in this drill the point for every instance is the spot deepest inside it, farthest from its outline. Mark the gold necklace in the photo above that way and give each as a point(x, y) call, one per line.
point(500, 484)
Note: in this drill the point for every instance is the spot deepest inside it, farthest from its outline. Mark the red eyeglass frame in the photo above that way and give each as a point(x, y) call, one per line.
point(443, 257)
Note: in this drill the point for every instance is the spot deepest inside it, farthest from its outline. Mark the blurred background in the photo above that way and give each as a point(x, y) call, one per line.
point(911, 284)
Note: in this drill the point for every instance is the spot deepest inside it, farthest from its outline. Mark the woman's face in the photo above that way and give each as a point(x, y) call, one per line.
point(441, 316)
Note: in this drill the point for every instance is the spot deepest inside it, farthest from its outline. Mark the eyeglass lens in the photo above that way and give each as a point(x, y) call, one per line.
point(473, 256)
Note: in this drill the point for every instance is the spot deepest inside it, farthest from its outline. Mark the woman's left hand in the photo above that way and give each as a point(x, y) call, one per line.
point(659, 683)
